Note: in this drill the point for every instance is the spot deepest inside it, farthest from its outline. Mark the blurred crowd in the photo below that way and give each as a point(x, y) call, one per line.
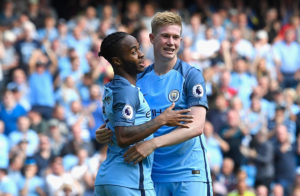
point(51, 82)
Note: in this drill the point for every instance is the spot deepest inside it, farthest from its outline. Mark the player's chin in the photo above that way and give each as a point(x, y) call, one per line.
point(140, 69)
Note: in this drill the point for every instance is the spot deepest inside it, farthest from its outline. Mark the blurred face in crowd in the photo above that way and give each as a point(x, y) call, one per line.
point(95, 92)
point(282, 134)
point(261, 190)
point(57, 166)
point(221, 102)
point(59, 113)
point(82, 155)
point(44, 143)
point(228, 166)
point(233, 118)
point(240, 66)
point(242, 20)
point(19, 76)
point(225, 78)
point(49, 22)
point(9, 100)
point(277, 190)
point(69, 82)
point(107, 12)
point(255, 104)
point(23, 123)
point(195, 21)
point(76, 106)
point(91, 12)
point(166, 42)
point(75, 63)
point(290, 35)
point(216, 20)
point(236, 104)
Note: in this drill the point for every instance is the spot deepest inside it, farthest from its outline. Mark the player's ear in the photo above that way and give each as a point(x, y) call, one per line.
point(151, 37)
point(116, 61)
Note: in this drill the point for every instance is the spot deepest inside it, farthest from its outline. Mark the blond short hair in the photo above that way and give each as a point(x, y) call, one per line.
point(165, 18)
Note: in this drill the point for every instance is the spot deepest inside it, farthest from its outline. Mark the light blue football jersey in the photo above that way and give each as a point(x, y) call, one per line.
point(124, 105)
point(185, 86)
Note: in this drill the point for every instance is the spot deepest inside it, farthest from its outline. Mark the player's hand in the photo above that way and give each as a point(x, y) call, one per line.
point(139, 151)
point(103, 135)
point(174, 118)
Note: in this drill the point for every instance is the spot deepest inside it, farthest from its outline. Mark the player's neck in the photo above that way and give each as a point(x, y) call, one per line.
point(130, 77)
point(162, 67)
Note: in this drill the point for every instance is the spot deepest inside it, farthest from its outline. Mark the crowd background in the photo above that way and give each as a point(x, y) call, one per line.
point(51, 82)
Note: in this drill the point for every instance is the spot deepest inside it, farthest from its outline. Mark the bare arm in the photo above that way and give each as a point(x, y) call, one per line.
point(130, 135)
point(142, 150)
point(180, 135)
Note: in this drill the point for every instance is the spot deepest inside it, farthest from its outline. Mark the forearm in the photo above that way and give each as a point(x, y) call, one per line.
point(180, 135)
point(132, 134)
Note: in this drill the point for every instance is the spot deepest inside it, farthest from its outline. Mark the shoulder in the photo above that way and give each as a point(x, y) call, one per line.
point(187, 70)
point(145, 72)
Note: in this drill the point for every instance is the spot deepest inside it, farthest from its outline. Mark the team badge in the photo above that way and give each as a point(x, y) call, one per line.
point(174, 95)
point(127, 112)
point(198, 90)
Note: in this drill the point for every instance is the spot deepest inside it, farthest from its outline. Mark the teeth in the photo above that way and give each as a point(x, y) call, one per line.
point(169, 49)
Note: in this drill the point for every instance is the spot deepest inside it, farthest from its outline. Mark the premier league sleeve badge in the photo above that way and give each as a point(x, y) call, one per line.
point(198, 90)
point(127, 112)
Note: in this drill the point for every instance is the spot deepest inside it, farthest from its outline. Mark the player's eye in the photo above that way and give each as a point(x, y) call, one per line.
point(176, 37)
point(133, 52)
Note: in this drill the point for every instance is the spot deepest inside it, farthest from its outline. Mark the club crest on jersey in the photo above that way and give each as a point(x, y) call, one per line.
point(174, 95)
point(198, 90)
point(127, 112)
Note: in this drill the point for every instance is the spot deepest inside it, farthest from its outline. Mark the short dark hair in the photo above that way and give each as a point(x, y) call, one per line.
point(111, 44)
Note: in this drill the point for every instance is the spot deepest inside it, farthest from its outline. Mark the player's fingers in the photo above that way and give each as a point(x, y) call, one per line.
point(186, 120)
point(186, 116)
point(171, 107)
point(128, 152)
point(183, 125)
point(102, 126)
point(104, 132)
point(132, 158)
point(138, 160)
point(184, 111)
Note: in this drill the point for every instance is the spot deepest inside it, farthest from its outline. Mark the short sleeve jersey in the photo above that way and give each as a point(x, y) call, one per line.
point(185, 86)
point(124, 105)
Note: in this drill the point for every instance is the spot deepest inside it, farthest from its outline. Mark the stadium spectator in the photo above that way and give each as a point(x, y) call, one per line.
point(24, 132)
point(30, 183)
point(233, 133)
point(59, 180)
point(284, 159)
point(218, 114)
point(227, 175)
point(287, 60)
point(41, 82)
point(261, 152)
point(8, 55)
point(10, 112)
point(215, 146)
point(37, 123)
point(19, 84)
point(7, 184)
point(43, 156)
